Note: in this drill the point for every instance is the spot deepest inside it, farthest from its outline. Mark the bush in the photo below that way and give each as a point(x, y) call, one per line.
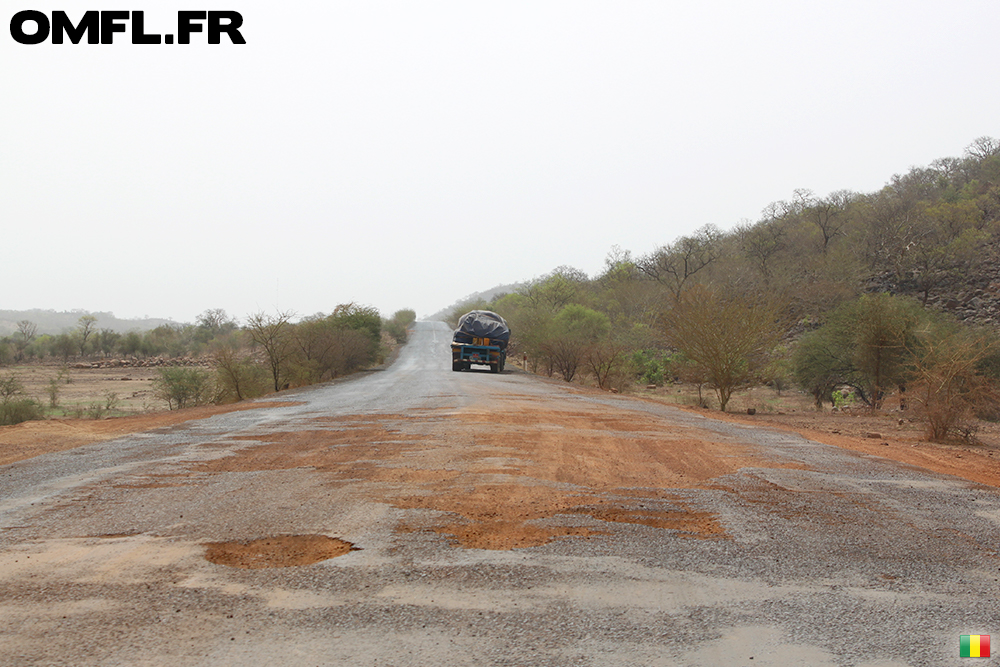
point(184, 387)
point(14, 406)
point(17, 410)
point(728, 337)
point(950, 387)
point(240, 379)
point(650, 366)
point(238, 375)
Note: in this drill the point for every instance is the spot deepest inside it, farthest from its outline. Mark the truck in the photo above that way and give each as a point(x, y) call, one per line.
point(481, 338)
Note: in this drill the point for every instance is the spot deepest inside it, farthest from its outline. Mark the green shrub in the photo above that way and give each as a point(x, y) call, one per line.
point(650, 366)
point(17, 410)
point(237, 379)
point(183, 387)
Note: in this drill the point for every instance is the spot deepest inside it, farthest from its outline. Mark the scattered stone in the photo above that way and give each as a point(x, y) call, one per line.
point(874, 436)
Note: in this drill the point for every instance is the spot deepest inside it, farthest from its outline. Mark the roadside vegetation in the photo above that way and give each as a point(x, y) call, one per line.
point(214, 361)
point(852, 297)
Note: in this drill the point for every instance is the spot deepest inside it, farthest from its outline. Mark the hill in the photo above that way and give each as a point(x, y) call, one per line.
point(55, 322)
point(474, 300)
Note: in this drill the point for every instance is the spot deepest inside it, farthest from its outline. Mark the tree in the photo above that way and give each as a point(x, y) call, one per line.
point(675, 264)
point(574, 332)
point(237, 376)
point(727, 336)
point(944, 243)
point(86, 326)
point(888, 228)
point(829, 215)
point(183, 387)
point(863, 345)
point(397, 325)
point(761, 242)
point(557, 289)
point(609, 360)
point(820, 364)
point(15, 406)
point(131, 343)
point(107, 341)
point(271, 332)
point(365, 319)
point(64, 345)
point(26, 332)
point(216, 321)
point(983, 148)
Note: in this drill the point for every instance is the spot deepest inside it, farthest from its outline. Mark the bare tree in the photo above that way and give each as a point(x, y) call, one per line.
point(272, 333)
point(982, 148)
point(216, 321)
point(829, 215)
point(26, 332)
point(761, 242)
point(676, 263)
point(86, 326)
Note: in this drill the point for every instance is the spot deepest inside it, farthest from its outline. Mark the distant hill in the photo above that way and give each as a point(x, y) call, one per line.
point(55, 322)
point(472, 299)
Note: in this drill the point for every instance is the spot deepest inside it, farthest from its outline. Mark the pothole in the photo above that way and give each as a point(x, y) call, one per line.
point(280, 551)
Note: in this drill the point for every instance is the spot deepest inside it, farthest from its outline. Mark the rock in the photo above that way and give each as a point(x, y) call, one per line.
point(875, 436)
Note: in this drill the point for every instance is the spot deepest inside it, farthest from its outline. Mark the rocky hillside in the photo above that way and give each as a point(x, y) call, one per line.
point(972, 295)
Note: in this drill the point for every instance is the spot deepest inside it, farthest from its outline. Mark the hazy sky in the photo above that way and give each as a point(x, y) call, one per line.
point(405, 154)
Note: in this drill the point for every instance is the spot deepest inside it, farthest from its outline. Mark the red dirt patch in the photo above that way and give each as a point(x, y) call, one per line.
point(281, 551)
point(502, 478)
point(903, 443)
point(30, 439)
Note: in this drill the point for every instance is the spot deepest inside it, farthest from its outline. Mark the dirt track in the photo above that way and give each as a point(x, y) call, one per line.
point(418, 516)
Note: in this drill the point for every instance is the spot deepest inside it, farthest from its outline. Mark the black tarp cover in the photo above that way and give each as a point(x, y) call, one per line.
point(482, 324)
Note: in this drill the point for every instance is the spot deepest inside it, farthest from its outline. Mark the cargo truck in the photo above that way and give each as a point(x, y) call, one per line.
point(481, 338)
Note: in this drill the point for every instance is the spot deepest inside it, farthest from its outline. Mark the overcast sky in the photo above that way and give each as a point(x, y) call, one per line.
point(405, 154)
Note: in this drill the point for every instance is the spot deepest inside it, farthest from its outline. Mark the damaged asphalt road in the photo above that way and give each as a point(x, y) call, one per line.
point(416, 516)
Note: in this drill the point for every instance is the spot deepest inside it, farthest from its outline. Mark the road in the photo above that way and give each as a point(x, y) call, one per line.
point(416, 516)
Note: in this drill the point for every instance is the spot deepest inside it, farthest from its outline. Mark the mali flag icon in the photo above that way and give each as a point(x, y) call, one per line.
point(974, 646)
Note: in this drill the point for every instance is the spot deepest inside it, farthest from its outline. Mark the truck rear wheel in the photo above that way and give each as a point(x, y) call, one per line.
point(456, 365)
